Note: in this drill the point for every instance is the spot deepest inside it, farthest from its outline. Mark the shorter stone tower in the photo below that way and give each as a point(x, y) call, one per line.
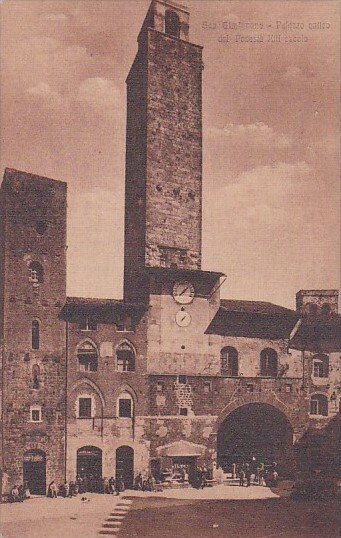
point(317, 302)
point(32, 292)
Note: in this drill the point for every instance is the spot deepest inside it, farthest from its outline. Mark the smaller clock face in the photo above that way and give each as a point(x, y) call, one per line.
point(182, 318)
point(183, 292)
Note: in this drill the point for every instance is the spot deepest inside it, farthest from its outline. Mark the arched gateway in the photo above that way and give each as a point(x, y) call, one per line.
point(34, 471)
point(255, 430)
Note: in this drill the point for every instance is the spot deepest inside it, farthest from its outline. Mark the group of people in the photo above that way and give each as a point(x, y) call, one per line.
point(19, 493)
point(178, 475)
point(263, 476)
point(86, 484)
point(144, 483)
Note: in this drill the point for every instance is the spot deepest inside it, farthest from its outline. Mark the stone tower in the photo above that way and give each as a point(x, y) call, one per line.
point(32, 292)
point(163, 148)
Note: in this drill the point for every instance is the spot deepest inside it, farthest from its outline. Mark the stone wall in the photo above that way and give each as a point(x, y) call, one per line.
point(35, 230)
point(174, 153)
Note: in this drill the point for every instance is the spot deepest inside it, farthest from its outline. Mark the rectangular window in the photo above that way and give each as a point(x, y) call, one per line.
point(35, 334)
point(125, 324)
point(84, 408)
point(249, 387)
point(182, 379)
point(88, 324)
point(35, 414)
point(88, 363)
point(183, 411)
point(207, 387)
point(159, 386)
point(314, 407)
point(320, 369)
point(124, 407)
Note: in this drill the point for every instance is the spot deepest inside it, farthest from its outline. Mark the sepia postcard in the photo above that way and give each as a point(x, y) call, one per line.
point(170, 326)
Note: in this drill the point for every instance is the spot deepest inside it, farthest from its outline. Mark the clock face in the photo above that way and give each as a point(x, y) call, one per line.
point(183, 292)
point(182, 318)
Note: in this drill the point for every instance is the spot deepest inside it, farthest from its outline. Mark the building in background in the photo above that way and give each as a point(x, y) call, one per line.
point(172, 374)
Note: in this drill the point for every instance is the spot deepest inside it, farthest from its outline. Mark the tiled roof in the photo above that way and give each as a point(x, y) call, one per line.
point(256, 307)
point(319, 334)
point(104, 308)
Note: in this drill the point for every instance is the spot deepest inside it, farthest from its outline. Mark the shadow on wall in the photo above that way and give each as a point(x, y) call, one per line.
point(319, 449)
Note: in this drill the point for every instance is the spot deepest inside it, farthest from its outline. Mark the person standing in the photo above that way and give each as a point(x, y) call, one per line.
point(53, 490)
point(260, 474)
point(27, 493)
point(248, 474)
point(111, 485)
point(241, 476)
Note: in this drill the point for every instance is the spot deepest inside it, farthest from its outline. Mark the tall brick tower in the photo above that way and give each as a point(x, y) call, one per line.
point(164, 148)
point(32, 292)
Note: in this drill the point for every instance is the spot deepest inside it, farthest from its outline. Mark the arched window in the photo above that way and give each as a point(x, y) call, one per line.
point(36, 376)
point(321, 365)
point(325, 309)
point(268, 362)
point(311, 309)
point(125, 405)
point(36, 273)
point(229, 361)
point(35, 334)
point(319, 405)
point(172, 23)
point(125, 355)
point(87, 357)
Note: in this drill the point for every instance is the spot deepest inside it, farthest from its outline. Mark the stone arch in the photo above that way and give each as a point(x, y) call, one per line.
point(129, 389)
point(258, 432)
point(267, 399)
point(125, 341)
point(87, 354)
point(34, 470)
point(124, 394)
point(93, 385)
point(87, 340)
point(128, 362)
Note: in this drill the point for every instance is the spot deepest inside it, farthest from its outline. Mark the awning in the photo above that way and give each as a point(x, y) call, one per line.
point(181, 449)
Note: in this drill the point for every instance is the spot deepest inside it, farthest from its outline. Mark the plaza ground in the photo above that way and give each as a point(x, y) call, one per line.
point(218, 512)
point(41, 517)
point(256, 518)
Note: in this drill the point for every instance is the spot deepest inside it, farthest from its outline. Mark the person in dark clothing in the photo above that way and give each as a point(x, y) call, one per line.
point(241, 474)
point(21, 493)
point(248, 474)
point(72, 489)
point(111, 485)
point(138, 482)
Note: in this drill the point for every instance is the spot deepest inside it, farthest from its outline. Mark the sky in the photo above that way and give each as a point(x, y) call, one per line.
point(271, 191)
